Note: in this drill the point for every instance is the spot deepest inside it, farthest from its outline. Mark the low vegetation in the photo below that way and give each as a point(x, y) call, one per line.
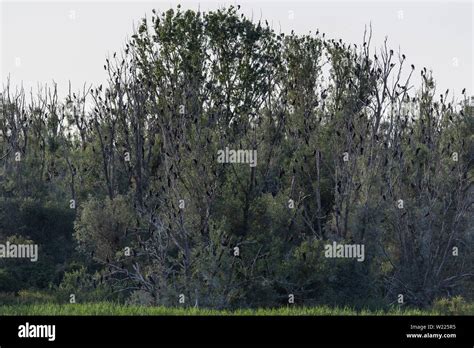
point(107, 308)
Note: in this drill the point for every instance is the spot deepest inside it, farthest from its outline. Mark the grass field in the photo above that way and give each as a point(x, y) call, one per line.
point(107, 308)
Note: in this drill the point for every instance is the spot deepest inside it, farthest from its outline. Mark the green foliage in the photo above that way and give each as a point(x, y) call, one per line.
point(453, 306)
point(84, 286)
point(116, 309)
point(101, 226)
point(27, 297)
point(26, 221)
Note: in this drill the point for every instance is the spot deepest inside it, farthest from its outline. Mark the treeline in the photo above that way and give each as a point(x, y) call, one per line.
point(121, 187)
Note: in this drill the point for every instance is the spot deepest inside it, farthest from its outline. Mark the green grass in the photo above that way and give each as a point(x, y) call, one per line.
point(108, 308)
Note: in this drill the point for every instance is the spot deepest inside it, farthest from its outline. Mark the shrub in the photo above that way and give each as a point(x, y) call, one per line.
point(453, 306)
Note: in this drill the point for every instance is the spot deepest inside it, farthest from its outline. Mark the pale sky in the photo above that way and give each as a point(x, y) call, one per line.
point(69, 40)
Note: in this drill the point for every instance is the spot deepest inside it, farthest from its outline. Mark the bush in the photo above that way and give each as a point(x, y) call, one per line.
point(102, 225)
point(26, 297)
point(85, 287)
point(35, 297)
point(453, 306)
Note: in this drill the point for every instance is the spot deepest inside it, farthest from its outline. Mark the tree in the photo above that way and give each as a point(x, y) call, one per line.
point(346, 151)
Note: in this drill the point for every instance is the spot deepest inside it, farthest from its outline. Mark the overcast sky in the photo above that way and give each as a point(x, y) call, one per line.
point(69, 40)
